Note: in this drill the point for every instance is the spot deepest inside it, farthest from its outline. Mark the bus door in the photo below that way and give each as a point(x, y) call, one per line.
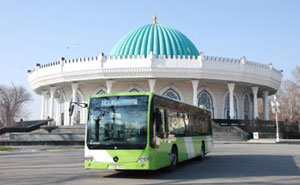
point(162, 141)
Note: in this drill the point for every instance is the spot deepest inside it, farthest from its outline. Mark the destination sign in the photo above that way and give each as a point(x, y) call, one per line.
point(120, 102)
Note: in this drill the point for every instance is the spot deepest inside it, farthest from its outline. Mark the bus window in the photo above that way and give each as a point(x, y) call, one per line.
point(206, 124)
point(159, 123)
point(97, 130)
point(177, 123)
point(201, 125)
point(186, 124)
point(166, 123)
point(182, 124)
point(172, 121)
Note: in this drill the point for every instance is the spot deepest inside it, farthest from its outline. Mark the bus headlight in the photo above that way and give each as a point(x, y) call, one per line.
point(144, 159)
point(89, 158)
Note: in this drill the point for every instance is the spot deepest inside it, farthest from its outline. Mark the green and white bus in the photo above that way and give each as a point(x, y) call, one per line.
point(144, 131)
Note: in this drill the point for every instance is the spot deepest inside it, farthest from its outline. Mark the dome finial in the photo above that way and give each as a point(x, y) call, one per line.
point(154, 18)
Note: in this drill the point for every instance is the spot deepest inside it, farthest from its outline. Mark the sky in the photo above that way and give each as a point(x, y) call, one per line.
point(36, 31)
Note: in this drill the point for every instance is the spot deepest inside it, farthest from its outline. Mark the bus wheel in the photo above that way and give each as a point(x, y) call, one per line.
point(202, 155)
point(174, 158)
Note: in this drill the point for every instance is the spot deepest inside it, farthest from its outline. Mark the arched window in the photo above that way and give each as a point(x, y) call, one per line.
point(171, 93)
point(227, 108)
point(134, 90)
point(101, 92)
point(204, 98)
point(246, 107)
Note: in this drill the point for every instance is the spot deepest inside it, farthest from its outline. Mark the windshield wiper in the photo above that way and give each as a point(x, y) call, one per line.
point(108, 139)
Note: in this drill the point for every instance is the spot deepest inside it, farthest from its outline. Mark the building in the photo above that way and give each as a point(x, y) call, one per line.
point(160, 59)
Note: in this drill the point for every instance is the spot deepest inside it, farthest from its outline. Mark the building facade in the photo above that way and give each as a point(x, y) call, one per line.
point(159, 59)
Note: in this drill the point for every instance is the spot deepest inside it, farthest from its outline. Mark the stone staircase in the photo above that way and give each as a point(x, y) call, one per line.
point(76, 129)
point(76, 134)
point(228, 133)
point(62, 133)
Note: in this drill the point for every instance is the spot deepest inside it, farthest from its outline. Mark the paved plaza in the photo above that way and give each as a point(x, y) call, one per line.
point(227, 164)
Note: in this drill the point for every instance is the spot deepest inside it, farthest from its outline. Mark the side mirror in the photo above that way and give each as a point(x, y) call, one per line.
point(71, 109)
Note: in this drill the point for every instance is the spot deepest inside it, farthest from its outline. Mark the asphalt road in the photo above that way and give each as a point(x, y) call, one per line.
point(228, 164)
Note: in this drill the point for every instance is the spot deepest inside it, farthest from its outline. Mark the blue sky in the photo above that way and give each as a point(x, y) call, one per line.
point(41, 31)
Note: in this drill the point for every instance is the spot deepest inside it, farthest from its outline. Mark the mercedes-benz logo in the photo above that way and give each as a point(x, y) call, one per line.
point(116, 159)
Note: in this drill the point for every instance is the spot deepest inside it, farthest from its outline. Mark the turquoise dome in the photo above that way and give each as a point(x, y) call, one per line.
point(160, 39)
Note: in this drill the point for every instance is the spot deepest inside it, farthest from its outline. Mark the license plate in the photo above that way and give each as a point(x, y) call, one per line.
point(114, 166)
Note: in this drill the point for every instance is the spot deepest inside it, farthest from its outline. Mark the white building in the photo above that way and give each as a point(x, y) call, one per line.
point(160, 59)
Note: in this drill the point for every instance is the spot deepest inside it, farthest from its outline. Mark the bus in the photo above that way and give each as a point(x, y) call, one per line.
point(144, 131)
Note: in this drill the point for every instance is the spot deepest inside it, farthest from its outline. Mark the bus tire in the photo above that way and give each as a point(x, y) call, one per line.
point(202, 154)
point(173, 158)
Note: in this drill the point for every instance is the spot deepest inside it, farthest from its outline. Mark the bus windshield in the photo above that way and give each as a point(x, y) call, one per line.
point(117, 122)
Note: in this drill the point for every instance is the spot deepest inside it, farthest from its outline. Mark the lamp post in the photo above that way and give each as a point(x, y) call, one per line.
point(275, 109)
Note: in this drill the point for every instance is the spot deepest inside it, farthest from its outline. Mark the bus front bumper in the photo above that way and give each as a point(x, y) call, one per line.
point(117, 166)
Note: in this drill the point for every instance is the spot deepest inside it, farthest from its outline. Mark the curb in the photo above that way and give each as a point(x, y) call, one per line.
point(259, 142)
point(28, 143)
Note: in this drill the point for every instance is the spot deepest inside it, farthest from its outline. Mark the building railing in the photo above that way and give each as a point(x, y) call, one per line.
point(265, 129)
point(211, 66)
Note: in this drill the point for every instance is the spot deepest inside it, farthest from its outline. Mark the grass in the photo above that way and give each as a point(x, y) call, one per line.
point(6, 148)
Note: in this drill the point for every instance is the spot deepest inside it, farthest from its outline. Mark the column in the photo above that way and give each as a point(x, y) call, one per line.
point(57, 115)
point(109, 84)
point(52, 93)
point(43, 107)
point(152, 84)
point(195, 88)
point(46, 115)
point(255, 107)
point(74, 91)
point(84, 116)
point(266, 105)
point(231, 103)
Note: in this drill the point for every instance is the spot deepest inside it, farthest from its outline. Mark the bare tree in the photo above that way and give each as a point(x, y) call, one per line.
point(12, 101)
point(289, 98)
point(296, 75)
point(260, 108)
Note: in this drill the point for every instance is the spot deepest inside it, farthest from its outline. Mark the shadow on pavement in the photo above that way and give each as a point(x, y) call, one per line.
point(217, 166)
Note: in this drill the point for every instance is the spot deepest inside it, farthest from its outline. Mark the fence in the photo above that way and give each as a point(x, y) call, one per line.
point(266, 129)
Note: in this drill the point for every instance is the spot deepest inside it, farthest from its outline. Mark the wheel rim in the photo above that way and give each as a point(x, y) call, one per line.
point(173, 159)
point(202, 153)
